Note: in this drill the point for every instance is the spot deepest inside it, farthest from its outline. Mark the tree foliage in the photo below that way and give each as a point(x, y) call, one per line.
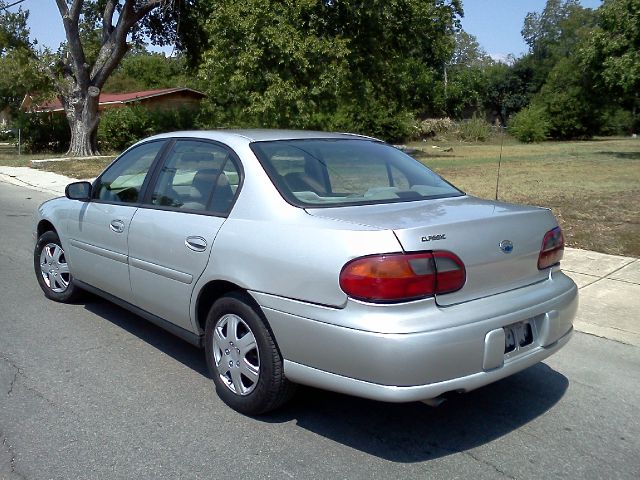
point(467, 51)
point(553, 35)
point(613, 53)
point(506, 91)
point(325, 64)
point(20, 73)
point(544, 31)
point(466, 80)
point(14, 33)
point(98, 35)
point(142, 70)
point(377, 67)
point(617, 43)
point(557, 87)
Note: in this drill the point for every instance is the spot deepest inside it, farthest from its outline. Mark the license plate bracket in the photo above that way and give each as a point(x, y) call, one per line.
point(518, 336)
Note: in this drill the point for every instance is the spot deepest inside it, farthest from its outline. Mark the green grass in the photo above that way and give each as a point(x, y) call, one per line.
point(593, 187)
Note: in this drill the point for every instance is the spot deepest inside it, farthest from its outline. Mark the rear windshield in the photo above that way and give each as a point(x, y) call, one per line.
point(334, 172)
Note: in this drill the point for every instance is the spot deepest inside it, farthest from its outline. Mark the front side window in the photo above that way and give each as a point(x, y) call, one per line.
point(123, 180)
point(197, 176)
point(333, 172)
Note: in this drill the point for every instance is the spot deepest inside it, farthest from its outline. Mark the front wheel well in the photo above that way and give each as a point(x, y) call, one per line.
point(208, 295)
point(45, 226)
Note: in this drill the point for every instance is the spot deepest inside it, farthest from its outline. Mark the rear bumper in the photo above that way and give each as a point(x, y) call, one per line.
point(388, 393)
point(402, 367)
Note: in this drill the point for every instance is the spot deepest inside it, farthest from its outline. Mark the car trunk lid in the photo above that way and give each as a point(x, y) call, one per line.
point(480, 232)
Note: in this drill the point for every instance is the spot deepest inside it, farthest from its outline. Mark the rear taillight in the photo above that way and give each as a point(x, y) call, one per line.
point(552, 248)
point(398, 277)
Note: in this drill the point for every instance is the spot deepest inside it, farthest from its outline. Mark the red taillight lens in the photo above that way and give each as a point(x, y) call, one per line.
point(402, 277)
point(552, 248)
point(450, 272)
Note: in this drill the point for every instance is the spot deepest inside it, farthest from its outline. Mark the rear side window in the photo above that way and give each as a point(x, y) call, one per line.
point(334, 172)
point(123, 180)
point(197, 176)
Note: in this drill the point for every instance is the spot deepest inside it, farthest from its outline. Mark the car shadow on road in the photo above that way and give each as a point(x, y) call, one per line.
point(155, 336)
point(404, 433)
point(416, 432)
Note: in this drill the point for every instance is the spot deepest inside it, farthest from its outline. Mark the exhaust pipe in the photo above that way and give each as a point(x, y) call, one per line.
point(434, 402)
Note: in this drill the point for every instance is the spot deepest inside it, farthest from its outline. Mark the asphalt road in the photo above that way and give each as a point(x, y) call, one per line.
point(90, 391)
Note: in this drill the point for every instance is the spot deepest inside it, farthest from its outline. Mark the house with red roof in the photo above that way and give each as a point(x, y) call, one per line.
point(160, 99)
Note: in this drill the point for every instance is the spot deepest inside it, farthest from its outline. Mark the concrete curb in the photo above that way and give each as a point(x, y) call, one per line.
point(40, 180)
point(63, 159)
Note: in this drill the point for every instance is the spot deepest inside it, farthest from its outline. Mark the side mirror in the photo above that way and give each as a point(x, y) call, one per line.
point(78, 191)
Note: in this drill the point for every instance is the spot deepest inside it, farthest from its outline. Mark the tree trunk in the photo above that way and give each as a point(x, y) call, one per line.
point(77, 81)
point(82, 113)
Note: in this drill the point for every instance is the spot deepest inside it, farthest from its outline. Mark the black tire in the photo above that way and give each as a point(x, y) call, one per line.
point(250, 397)
point(57, 284)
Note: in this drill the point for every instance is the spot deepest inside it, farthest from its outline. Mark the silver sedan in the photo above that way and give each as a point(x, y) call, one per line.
point(330, 260)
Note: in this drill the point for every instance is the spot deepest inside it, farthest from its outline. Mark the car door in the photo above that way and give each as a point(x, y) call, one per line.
point(171, 235)
point(98, 230)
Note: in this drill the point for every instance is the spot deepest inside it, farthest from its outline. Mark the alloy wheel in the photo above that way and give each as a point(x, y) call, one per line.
point(236, 354)
point(54, 268)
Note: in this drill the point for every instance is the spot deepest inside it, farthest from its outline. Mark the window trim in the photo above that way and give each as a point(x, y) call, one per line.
point(153, 179)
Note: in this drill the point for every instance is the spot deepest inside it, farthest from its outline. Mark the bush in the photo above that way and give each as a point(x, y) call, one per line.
point(474, 129)
point(7, 135)
point(378, 121)
point(44, 132)
point(530, 124)
point(121, 127)
point(434, 127)
point(616, 121)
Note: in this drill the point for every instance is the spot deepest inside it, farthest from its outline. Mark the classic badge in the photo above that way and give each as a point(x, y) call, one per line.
point(430, 238)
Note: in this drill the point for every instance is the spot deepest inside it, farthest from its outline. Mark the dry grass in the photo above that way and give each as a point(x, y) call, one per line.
point(77, 168)
point(593, 187)
point(9, 156)
point(84, 168)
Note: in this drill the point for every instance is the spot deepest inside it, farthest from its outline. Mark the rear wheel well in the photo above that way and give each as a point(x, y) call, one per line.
point(45, 226)
point(208, 295)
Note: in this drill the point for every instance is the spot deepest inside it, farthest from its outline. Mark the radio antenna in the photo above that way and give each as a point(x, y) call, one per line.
point(499, 160)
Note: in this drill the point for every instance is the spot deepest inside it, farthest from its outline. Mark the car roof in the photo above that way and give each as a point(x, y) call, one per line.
point(257, 135)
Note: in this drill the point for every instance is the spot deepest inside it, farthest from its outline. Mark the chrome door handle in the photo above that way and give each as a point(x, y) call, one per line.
point(117, 226)
point(197, 244)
